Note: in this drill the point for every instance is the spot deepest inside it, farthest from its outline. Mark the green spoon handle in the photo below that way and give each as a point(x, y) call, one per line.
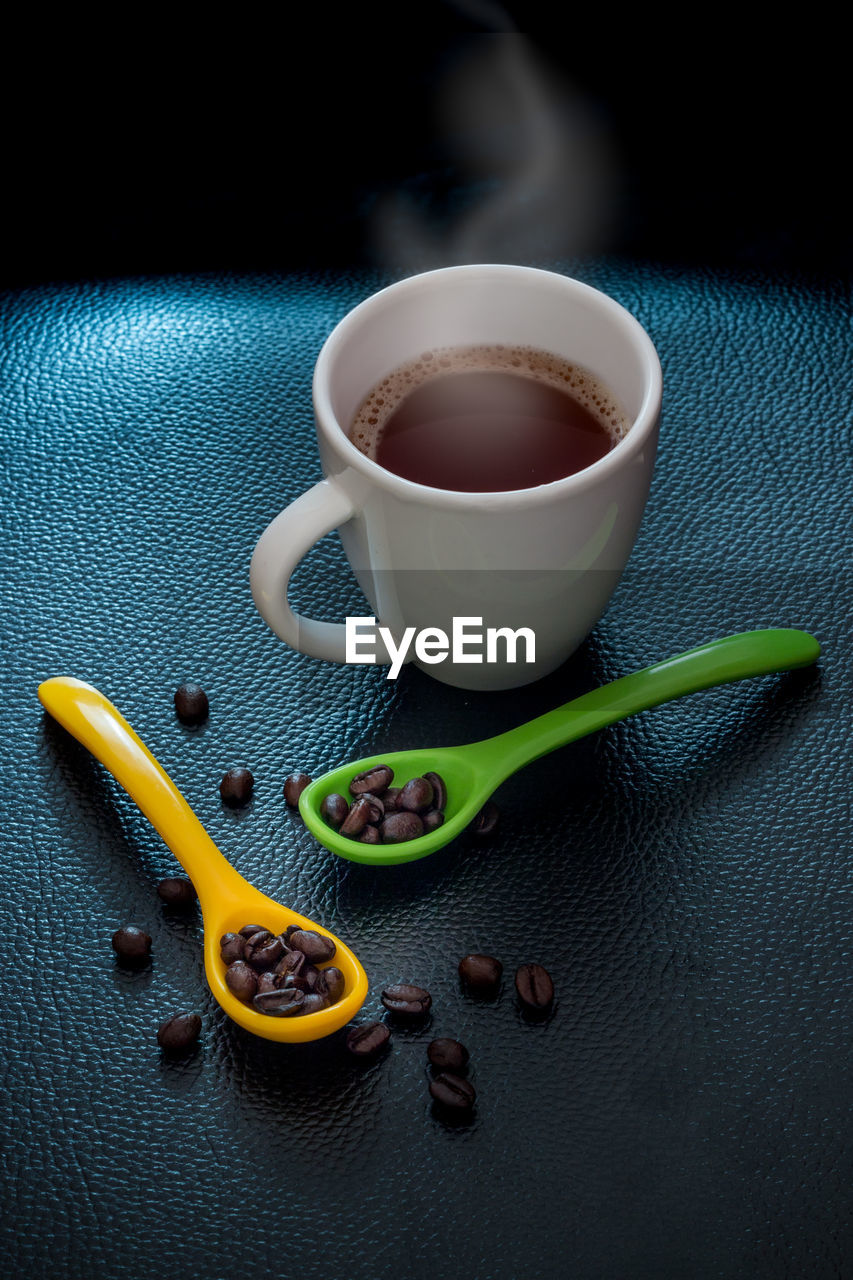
point(737, 657)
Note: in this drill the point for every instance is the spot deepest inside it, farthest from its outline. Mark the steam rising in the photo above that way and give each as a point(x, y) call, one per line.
point(530, 176)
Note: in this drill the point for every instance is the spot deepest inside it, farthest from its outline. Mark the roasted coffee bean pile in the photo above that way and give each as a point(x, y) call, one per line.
point(381, 814)
point(279, 974)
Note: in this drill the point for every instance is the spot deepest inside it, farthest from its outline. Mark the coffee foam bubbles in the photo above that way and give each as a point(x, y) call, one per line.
point(528, 362)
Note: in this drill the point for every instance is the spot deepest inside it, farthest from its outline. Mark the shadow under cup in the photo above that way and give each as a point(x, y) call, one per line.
point(485, 571)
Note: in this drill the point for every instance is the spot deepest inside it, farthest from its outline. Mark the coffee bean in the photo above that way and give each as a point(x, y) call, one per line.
point(191, 704)
point(453, 1092)
point(236, 788)
point(178, 1034)
point(260, 964)
point(316, 947)
point(334, 809)
point(263, 951)
point(132, 945)
point(480, 974)
point(422, 798)
point(374, 779)
point(486, 822)
point(177, 893)
point(389, 799)
point(535, 987)
point(232, 946)
point(432, 820)
point(370, 835)
point(335, 983)
point(241, 979)
point(416, 796)
point(400, 827)
point(439, 790)
point(367, 1040)
point(358, 817)
point(269, 981)
point(447, 1054)
point(293, 788)
point(406, 1000)
point(283, 1003)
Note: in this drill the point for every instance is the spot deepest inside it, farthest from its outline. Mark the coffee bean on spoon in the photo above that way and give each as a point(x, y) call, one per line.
point(358, 817)
point(241, 980)
point(316, 947)
point(334, 809)
point(399, 827)
point(416, 796)
point(376, 780)
point(232, 946)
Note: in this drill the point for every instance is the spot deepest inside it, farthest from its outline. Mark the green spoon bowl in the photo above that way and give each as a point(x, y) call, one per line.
point(473, 772)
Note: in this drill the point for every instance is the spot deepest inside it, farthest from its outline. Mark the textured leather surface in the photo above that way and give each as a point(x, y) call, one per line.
point(686, 876)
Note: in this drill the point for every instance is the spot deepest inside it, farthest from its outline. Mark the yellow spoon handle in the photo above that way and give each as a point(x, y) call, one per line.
point(102, 729)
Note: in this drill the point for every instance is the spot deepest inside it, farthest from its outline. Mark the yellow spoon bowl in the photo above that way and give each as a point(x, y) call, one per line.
point(228, 902)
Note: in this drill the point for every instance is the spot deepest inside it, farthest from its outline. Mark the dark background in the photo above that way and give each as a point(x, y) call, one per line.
point(300, 142)
point(186, 214)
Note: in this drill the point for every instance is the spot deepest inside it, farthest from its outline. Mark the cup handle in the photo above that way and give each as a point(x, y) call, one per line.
point(278, 551)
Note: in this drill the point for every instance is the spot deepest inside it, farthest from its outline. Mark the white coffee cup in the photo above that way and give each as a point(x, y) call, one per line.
point(543, 560)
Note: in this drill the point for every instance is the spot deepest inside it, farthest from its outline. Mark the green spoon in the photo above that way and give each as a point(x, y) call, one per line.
point(471, 773)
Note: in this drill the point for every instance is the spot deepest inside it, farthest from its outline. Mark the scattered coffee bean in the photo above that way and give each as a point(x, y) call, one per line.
point(406, 1000)
point(191, 704)
point(236, 788)
point(485, 824)
point(367, 1040)
point(177, 892)
point(293, 788)
point(334, 809)
point(386, 814)
point(132, 945)
point(447, 1054)
point(480, 974)
point(278, 973)
point(453, 1092)
point(535, 987)
point(376, 780)
point(178, 1034)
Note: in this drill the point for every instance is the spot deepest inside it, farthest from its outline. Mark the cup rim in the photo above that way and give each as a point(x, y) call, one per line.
point(634, 440)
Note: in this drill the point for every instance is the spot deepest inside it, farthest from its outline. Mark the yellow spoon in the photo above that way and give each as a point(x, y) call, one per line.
point(227, 900)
